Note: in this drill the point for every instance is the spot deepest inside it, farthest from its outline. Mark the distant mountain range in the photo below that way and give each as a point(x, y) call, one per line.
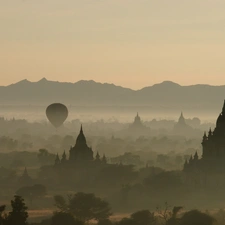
point(88, 93)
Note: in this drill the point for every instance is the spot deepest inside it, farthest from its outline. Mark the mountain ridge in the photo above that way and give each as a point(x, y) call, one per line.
point(89, 92)
point(166, 82)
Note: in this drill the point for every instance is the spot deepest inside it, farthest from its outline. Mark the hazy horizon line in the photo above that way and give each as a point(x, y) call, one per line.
point(118, 85)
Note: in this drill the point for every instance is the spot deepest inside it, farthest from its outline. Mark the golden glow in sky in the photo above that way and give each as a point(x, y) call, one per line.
point(132, 43)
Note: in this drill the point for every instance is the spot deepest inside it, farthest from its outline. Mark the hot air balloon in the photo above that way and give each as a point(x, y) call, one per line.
point(57, 113)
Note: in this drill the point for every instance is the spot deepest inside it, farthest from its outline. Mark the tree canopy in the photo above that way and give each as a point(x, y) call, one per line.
point(84, 206)
point(18, 215)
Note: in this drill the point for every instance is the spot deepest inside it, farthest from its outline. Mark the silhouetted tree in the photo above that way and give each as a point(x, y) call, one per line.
point(144, 217)
point(61, 203)
point(195, 217)
point(84, 206)
point(174, 220)
point(165, 214)
point(87, 206)
point(2, 218)
point(18, 215)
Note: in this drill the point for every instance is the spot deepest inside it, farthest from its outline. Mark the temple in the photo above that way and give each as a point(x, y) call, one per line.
point(213, 149)
point(137, 124)
point(181, 126)
point(25, 179)
point(79, 153)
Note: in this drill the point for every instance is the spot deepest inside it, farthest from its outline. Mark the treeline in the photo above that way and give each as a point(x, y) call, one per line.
point(83, 208)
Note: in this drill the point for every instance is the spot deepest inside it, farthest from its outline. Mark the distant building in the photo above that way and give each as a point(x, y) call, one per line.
point(181, 121)
point(80, 152)
point(137, 124)
point(84, 171)
point(213, 149)
point(181, 127)
point(25, 179)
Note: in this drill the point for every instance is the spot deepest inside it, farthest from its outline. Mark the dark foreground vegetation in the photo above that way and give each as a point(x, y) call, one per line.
point(82, 208)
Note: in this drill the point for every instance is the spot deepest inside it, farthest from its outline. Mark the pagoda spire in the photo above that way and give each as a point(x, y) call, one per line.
point(104, 159)
point(205, 137)
point(210, 132)
point(25, 178)
point(181, 119)
point(81, 138)
point(25, 173)
point(57, 160)
point(196, 156)
point(97, 157)
point(63, 157)
point(185, 165)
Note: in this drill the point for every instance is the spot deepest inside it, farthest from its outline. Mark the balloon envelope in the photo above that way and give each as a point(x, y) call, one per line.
point(57, 113)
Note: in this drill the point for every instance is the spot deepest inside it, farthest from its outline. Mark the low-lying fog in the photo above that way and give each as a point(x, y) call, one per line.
point(123, 114)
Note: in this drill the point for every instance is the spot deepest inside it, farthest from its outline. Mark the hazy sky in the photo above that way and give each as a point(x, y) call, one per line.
point(133, 43)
